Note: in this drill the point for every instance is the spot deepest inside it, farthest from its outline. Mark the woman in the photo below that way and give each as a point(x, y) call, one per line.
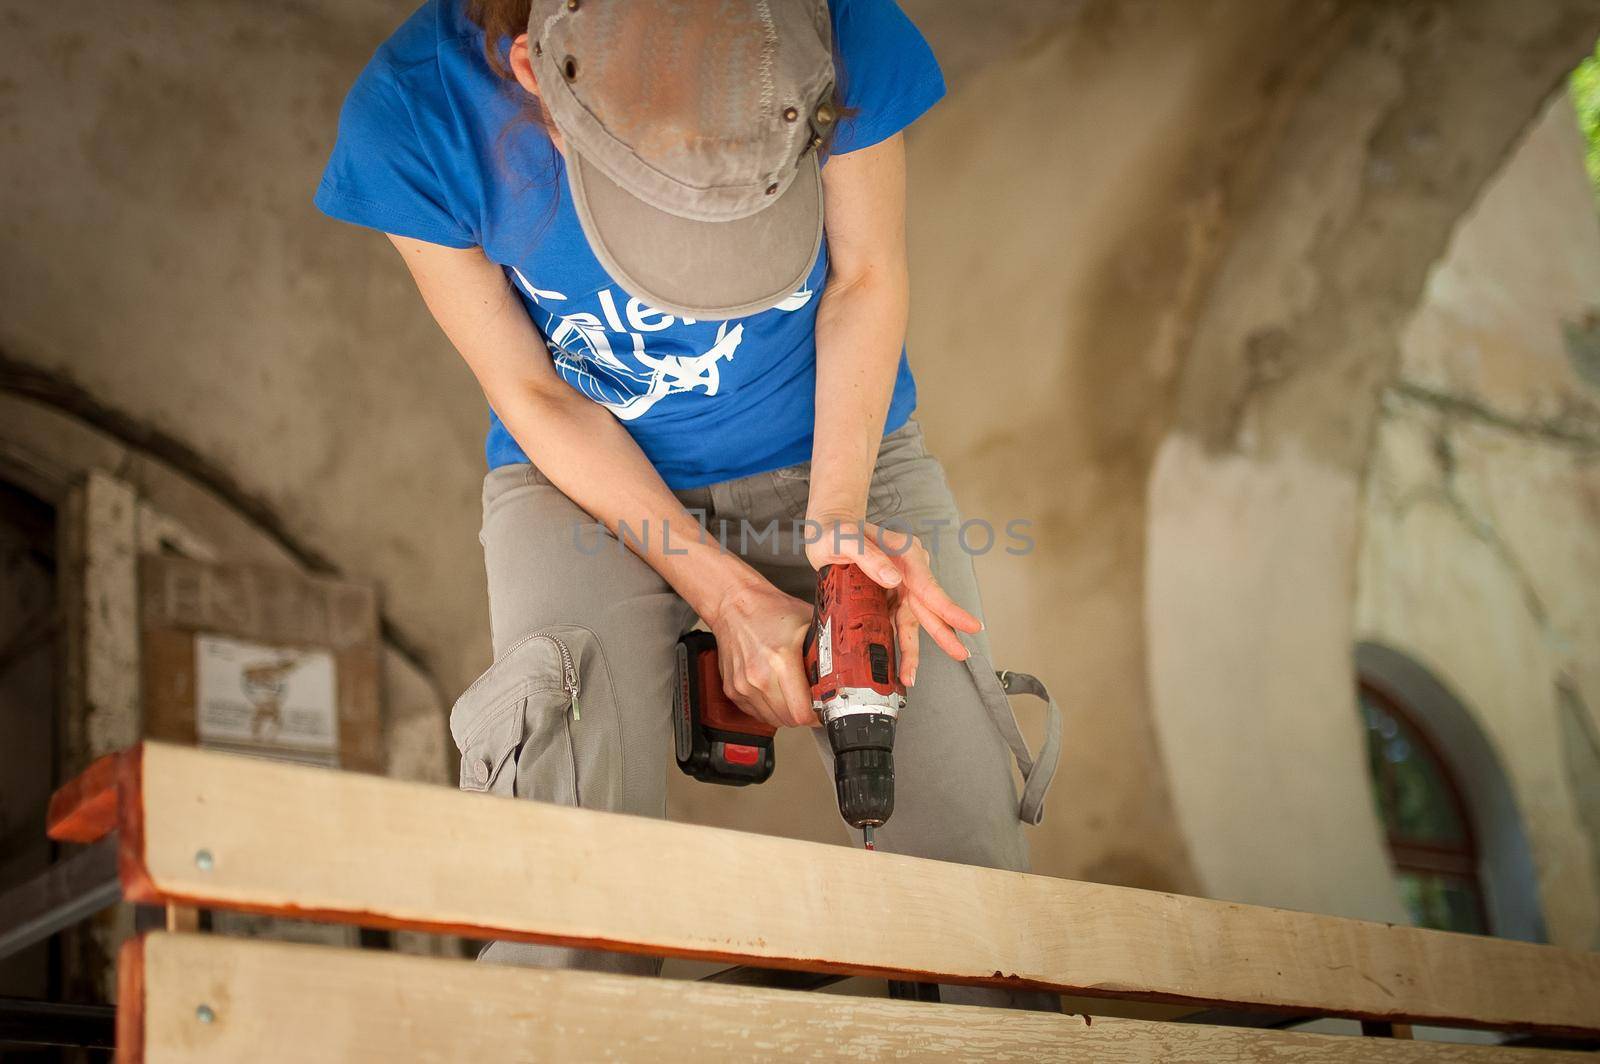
point(620, 215)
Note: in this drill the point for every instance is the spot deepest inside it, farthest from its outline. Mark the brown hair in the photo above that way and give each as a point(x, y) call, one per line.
point(503, 20)
point(499, 20)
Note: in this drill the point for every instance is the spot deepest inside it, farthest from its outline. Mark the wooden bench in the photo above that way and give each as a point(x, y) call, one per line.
point(219, 831)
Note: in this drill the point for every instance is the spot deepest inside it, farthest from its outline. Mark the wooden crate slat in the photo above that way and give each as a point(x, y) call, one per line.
point(222, 831)
point(218, 1000)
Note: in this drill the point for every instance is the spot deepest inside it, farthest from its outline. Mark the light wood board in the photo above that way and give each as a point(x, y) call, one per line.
point(218, 1000)
point(294, 840)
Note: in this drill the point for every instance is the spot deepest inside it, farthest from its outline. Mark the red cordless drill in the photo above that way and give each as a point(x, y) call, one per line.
point(855, 689)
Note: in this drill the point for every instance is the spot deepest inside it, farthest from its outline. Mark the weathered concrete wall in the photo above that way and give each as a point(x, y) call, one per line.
point(1480, 554)
point(159, 246)
point(1254, 514)
point(1063, 218)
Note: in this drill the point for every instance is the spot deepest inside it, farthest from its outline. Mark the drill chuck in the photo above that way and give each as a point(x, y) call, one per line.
point(863, 766)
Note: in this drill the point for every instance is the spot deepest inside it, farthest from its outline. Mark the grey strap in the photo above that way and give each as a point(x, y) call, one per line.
point(1037, 774)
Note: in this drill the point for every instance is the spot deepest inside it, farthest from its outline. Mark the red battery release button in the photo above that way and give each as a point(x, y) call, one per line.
point(737, 754)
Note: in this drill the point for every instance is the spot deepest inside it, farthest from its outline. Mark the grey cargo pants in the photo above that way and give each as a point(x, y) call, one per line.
point(577, 707)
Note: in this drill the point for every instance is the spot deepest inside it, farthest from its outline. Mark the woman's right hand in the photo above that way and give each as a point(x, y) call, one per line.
point(760, 633)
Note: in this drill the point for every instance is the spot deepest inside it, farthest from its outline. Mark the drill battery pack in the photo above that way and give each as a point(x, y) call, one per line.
point(717, 742)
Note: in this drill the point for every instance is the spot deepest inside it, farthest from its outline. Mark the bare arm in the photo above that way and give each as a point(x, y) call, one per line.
point(586, 453)
point(861, 322)
point(861, 328)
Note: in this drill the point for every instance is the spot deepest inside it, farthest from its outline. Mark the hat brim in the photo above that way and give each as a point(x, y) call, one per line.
point(703, 270)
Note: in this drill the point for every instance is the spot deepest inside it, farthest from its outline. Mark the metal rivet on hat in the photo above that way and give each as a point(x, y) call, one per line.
point(825, 114)
point(569, 67)
point(572, 5)
point(771, 189)
point(816, 142)
point(790, 114)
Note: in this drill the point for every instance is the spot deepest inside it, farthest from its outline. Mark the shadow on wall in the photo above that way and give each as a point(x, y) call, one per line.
point(1506, 868)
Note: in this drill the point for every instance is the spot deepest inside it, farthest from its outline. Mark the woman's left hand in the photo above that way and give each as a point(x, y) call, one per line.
point(898, 562)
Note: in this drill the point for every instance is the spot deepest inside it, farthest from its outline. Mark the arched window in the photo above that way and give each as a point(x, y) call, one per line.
point(1430, 833)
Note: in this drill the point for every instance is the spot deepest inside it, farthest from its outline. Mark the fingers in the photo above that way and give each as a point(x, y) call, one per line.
point(796, 692)
point(871, 559)
point(940, 632)
point(907, 554)
point(774, 693)
point(933, 596)
point(742, 692)
point(906, 628)
point(923, 587)
point(921, 583)
point(854, 544)
point(878, 565)
point(753, 703)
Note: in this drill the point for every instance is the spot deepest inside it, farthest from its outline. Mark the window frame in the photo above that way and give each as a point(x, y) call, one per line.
point(1422, 857)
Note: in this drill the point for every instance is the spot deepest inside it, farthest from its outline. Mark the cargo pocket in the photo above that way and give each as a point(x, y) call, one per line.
point(513, 725)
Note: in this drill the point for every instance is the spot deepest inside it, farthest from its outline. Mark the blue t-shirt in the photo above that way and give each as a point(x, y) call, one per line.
point(431, 146)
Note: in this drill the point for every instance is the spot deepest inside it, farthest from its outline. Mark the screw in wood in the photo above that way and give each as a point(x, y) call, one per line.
point(203, 860)
point(204, 1014)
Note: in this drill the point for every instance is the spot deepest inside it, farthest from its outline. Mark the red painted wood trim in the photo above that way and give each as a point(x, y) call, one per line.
point(130, 1002)
point(137, 885)
point(84, 809)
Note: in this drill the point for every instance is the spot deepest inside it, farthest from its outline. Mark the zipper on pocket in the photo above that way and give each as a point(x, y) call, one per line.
point(569, 675)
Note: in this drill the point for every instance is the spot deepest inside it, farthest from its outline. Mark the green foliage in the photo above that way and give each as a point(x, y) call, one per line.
point(1586, 95)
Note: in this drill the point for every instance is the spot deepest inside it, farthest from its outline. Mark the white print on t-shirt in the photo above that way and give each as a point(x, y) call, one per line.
point(631, 382)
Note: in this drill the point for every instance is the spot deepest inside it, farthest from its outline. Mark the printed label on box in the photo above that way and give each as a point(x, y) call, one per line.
point(267, 698)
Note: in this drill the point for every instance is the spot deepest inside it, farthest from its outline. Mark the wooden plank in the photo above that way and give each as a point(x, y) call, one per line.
point(217, 1000)
point(222, 831)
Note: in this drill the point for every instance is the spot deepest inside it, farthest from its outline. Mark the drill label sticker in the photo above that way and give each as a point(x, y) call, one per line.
point(825, 649)
point(684, 730)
